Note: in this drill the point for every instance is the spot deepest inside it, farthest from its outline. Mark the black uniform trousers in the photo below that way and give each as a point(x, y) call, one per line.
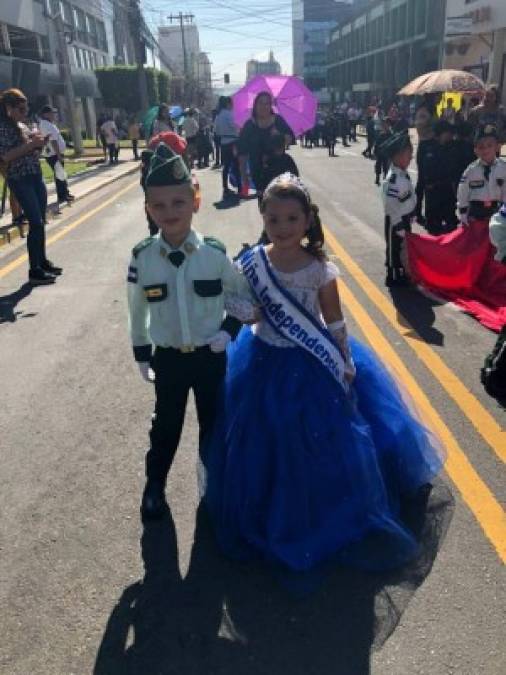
point(393, 241)
point(175, 374)
point(440, 208)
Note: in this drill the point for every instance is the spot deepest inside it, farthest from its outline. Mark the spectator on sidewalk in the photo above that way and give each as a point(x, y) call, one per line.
point(191, 130)
point(227, 130)
point(134, 134)
point(449, 113)
point(382, 163)
point(111, 135)
point(490, 112)
point(53, 153)
point(20, 152)
point(162, 122)
point(424, 125)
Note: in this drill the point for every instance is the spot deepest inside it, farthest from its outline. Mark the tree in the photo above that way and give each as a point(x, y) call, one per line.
point(119, 87)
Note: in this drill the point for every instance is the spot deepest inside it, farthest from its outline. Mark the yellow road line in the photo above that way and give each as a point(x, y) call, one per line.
point(477, 414)
point(474, 491)
point(17, 262)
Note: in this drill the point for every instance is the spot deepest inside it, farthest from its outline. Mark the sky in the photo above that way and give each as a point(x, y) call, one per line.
point(233, 31)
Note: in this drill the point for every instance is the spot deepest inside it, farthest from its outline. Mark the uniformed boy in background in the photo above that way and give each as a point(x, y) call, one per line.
point(176, 286)
point(399, 201)
point(482, 188)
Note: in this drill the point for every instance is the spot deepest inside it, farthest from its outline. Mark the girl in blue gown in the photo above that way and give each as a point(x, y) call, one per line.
point(314, 448)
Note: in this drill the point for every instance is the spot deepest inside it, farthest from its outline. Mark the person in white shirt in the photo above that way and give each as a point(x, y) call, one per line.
point(111, 134)
point(191, 129)
point(53, 152)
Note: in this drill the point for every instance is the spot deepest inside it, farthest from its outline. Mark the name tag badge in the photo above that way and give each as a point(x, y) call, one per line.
point(476, 184)
point(155, 293)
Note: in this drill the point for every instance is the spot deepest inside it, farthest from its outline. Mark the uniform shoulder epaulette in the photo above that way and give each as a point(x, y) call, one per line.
point(141, 246)
point(392, 178)
point(215, 243)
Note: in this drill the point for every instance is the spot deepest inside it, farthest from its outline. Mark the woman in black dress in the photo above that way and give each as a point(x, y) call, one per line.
point(255, 140)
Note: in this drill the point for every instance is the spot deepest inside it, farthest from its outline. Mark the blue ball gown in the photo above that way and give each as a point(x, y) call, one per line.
point(298, 474)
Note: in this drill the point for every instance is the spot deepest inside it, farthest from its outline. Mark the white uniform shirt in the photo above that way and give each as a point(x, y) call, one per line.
point(474, 187)
point(399, 198)
point(181, 306)
point(47, 128)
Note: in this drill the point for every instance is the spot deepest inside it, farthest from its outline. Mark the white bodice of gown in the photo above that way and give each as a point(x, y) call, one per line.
point(304, 286)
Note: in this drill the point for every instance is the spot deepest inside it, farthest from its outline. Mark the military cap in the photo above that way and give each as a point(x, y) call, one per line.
point(396, 144)
point(167, 168)
point(486, 131)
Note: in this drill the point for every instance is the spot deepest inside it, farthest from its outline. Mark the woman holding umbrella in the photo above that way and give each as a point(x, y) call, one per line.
point(255, 139)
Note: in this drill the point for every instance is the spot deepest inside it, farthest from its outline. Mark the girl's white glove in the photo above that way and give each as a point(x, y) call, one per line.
point(218, 343)
point(145, 370)
point(338, 331)
point(241, 309)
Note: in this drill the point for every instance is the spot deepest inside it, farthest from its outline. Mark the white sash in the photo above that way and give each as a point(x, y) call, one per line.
point(288, 317)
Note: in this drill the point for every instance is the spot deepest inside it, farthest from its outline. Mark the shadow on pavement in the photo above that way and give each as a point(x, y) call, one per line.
point(8, 304)
point(418, 309)
point(234, 619)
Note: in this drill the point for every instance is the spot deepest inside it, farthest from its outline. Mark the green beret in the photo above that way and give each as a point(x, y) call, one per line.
point(167, 168)
point(395, 144)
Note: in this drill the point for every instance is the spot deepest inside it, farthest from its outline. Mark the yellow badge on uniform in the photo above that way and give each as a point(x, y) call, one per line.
point(156, 293)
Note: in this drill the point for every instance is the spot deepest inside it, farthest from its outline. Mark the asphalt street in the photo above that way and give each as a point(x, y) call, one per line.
point(85, 589)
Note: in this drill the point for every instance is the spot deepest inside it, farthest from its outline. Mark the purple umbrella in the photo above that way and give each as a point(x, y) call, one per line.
point(292, 100)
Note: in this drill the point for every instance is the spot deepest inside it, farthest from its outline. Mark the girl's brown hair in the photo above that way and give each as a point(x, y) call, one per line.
point(11, 98)
point(314, 234)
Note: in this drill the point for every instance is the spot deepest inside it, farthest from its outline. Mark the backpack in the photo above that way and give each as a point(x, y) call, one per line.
point(493, 373)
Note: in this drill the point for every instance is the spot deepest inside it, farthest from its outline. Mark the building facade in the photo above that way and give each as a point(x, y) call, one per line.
point(312, 24)
point(383, 46)
point(98, 33)
point(475, 39)
point(180, 47)
point(269, 67)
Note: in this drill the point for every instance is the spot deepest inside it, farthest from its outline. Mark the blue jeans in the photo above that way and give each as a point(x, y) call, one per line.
point(31, 193)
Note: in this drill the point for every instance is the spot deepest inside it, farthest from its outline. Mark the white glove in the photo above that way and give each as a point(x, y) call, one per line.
point(218, 343)
point(464, 219)
point(145, 370)
point(241, 309)
point(340, 335)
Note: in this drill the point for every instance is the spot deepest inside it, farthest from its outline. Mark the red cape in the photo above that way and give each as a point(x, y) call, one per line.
point(460, 267)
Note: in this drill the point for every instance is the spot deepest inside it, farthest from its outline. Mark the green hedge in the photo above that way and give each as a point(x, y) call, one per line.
point(119, 86)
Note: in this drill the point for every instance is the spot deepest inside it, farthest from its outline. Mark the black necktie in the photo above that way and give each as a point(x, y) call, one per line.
point(176, 258)
point(486, 171)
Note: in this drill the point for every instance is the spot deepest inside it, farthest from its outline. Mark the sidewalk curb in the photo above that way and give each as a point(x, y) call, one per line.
point(11, 233)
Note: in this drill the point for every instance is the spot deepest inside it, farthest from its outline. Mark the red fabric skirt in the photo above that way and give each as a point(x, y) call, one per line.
point(460, 267)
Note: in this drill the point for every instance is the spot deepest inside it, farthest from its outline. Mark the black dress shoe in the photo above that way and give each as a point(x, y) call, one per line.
point(39, 277)
point(153, 506)
point(53, 269)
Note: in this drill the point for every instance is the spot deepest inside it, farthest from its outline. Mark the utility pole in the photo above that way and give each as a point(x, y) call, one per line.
point(182, 18)
point(68, 87)
point(136, 30)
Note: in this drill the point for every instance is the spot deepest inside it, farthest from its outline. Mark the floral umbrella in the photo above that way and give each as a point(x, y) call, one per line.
point(292, 100)
point(439, 81)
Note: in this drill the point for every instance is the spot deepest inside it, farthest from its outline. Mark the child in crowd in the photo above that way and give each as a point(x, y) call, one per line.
point(436, 168)
point(399, 201)
point(382, 160)
point(482, 188)
point(313, 449)
point(176, 286)
point(278, 161)
point(370, 129)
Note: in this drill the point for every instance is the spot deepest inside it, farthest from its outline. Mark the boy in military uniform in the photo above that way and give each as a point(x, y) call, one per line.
point(482, 187)
point(399, 201)
point(176, 286)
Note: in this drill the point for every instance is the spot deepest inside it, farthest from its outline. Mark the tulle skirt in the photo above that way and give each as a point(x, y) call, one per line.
point(297, 474)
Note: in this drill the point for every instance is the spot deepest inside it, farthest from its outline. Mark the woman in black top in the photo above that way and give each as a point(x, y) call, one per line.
point(255, 139)
point(19, 153)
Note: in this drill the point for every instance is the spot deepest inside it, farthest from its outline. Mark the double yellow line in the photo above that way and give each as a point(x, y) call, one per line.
point(472, 488)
